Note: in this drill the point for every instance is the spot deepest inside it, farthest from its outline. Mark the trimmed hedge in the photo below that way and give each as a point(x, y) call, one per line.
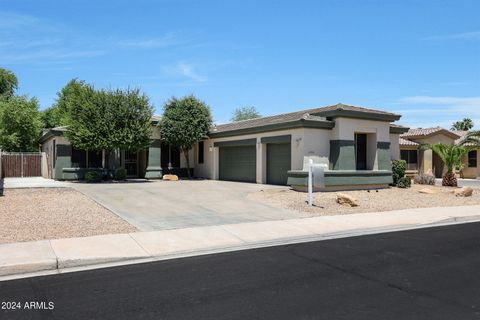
point(120, 174)
point(93, 176)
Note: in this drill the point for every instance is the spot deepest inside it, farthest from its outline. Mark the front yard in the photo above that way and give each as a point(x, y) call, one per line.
point(324, 203)
point(51, 213)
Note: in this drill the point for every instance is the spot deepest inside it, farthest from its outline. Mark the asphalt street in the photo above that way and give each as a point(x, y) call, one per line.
point(419, 274)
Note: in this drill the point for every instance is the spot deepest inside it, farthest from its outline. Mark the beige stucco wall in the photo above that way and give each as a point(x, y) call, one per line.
point(304, 142)
point(471, 173)
point(395, 146)
point(345, 129)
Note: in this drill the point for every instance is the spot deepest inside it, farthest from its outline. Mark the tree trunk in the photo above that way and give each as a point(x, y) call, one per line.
point(187, 158)
point(449, 179)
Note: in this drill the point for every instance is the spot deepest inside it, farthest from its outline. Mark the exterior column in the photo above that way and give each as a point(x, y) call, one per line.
point(154, 169)
point(342, 155)
point(427, 161)
point(383, 155)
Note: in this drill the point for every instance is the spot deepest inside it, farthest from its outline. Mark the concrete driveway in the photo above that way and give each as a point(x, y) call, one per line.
point(160, 205)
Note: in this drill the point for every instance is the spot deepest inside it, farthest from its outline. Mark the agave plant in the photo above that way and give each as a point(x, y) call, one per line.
point(451, 156)
point(472, 140)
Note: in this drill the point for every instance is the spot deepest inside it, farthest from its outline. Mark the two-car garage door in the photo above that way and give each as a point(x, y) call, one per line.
point(237, 161)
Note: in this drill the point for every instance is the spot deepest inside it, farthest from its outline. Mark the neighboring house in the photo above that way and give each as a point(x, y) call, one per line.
point(423, 161)
point(357, 144)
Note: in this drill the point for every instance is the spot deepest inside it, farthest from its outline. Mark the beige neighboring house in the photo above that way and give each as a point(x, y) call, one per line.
point(423, 161)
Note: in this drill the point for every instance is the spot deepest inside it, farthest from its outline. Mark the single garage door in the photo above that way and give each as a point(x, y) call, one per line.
point(278, 162)
point(238, 163)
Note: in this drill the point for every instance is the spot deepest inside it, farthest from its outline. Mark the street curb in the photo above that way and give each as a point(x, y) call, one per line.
point(101, 263)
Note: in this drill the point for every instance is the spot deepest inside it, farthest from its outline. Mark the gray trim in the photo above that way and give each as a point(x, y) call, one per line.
point(277, 139)
point(50, 134)
point(383, 145)
point(343, 177)
point(302, 123)
point(399, 130)
point(244, 142)
point(359, 115)
point(342, 155)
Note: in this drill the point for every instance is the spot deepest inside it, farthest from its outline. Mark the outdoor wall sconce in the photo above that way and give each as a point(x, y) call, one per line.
point(210, 148)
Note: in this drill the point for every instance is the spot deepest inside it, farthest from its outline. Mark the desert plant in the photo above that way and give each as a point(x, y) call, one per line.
point(451, 156)
point(120, 174)
point(404, 182)
point(424, 179)
point(398, 170)
point(93, 176)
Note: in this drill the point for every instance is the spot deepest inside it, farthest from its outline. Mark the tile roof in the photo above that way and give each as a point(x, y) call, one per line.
point(405, 142)
point(315, 114)
point(424, 132)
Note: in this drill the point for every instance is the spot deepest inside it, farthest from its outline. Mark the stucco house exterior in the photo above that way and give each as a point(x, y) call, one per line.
point(423, 161)
point(357, 144)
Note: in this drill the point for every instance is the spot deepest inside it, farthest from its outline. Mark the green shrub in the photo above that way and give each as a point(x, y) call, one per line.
point(93, 176)
point(120, 174)
point(424, 179)
point(404, 182)
point(398, 170)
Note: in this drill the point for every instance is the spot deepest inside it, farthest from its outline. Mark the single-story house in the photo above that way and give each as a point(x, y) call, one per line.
point(356, 143)
point(423, 161)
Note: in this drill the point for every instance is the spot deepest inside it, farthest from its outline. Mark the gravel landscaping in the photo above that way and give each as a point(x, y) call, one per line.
point(369, 201)
point(52, 213)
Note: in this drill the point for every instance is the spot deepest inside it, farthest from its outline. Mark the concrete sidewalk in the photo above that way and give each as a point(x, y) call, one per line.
point(66, 255)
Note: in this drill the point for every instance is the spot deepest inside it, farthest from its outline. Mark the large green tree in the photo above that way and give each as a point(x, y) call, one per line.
point(59, 113)
point(245, 113)
point(109, 119)
point(185, 122)
point(8, 83)
point(464, 125)
point(20, 124)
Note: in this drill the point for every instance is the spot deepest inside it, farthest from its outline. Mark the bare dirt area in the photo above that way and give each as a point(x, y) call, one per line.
point(52, 213)
point(369, 201)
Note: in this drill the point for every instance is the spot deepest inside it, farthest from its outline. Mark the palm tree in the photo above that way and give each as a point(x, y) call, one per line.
point(451, 156)
point(472, 140)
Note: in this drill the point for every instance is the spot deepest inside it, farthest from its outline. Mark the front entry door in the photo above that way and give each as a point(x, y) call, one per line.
point(361, 151)
point(131, 164)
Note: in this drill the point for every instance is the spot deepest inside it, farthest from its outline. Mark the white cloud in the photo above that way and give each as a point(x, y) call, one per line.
point(472, 35)
point(9, 20)
point(188, 71)
point(432, 111)
point(149, 43)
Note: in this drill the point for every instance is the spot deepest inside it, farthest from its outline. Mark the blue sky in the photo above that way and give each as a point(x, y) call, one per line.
point(417, 58)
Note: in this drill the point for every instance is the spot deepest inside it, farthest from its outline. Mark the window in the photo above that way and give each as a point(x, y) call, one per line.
point(472, 159)
point(94, 159)
point(79, 158)
point(201, 151)
point(169, 156)
point(410, 156)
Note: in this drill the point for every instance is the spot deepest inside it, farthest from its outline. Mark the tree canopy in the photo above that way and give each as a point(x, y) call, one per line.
point(185, 122)
point(8, 83)
point(107, 119)
point(245, 113)
point(463, 125)
point(59, 113)
point(20, 124)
